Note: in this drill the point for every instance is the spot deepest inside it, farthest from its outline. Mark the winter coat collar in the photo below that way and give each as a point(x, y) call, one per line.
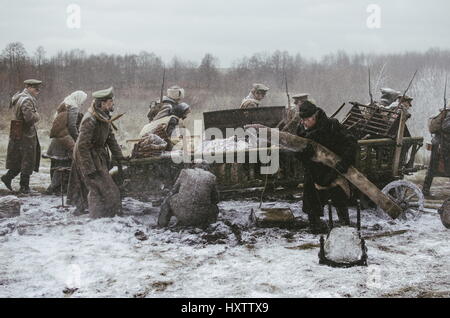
point(22, 96)
point(101, 116)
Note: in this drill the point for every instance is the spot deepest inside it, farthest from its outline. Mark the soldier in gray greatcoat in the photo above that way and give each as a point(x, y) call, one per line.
point(24, 150)
point(90, 184)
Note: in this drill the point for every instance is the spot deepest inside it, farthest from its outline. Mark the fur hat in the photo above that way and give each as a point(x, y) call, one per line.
point(175, 92)
point(307, 109)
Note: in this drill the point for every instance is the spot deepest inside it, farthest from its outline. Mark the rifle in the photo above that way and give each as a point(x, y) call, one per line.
point(162, 86)
point(445, 93)
point(370, 90)
point(409, 86)
point(287, 90)
point(380, 74)
point(401, 129)
point(444, 114)
point(337, 111)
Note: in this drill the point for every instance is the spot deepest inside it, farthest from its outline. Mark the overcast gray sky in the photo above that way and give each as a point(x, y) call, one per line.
point(228, 29)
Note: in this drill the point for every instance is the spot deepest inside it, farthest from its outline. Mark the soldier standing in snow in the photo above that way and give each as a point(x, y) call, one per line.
point(24, 150)
point(90, 184)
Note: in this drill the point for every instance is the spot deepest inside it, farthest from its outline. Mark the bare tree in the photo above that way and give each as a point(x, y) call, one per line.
point(15, 57)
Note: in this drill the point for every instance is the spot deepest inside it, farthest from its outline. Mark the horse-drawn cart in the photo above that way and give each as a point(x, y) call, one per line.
point(383, 158)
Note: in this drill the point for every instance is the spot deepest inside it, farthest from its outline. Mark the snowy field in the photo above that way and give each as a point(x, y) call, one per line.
point(47, 252)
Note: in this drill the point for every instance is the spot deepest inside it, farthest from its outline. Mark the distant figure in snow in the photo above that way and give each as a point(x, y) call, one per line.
point(292, 119)
point(254, 98)
point(159, 109)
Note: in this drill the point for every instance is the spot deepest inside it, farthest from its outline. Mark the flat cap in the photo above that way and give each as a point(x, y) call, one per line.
point(307, 109)
point(260, 87)
point(33, 82)
point(301, 95)
point(104, 94)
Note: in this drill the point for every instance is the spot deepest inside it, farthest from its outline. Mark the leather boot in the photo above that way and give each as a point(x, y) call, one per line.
point(8, 177)
point(24, 184)
point(165, 213)
point(80, 211)
point(343, 216)
point(427, 184)
point(316, 225)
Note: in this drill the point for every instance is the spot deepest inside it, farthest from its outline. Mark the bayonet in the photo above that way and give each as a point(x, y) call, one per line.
point(444, 114)
point(380, 75)
point(162, 85)
point(445, 93)
point(370, 90)
point(287, 89)
point(409, 86)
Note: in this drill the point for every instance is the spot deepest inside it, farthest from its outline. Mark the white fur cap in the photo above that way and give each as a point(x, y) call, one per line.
point(175, 92)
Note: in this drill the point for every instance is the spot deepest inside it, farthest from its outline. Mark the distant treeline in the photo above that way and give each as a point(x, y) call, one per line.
point(331, 80)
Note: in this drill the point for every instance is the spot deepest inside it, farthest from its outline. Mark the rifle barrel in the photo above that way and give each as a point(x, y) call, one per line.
point(409, 85)
point(287, 89)
point(445, 93)
point(370, 90)
point(162, 86)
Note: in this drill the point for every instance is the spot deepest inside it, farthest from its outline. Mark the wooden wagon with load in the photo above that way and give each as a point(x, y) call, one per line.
point(387, 152)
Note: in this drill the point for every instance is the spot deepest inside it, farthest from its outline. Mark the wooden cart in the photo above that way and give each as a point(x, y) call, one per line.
point(376, 157)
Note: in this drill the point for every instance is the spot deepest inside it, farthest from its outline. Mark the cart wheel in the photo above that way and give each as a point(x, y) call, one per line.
point(408, 196)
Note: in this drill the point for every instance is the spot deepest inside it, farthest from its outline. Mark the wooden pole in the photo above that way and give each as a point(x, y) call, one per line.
point(330, 159)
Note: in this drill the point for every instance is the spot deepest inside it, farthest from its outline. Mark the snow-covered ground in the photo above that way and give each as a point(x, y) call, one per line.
point(47, 252)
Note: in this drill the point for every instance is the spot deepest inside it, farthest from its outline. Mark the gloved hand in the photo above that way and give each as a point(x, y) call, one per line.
point(326, 179)
point(342, 166)
point(308, 152)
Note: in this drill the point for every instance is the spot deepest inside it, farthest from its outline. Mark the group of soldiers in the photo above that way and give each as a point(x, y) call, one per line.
point(82, 149)
point(82, 146)
point(79, 151)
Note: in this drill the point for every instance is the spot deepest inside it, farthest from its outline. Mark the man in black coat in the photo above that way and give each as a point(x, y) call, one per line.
point(321, 182)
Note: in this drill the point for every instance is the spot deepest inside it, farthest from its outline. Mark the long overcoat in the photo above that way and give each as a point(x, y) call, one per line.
point(24, 154)
point(90, 184)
